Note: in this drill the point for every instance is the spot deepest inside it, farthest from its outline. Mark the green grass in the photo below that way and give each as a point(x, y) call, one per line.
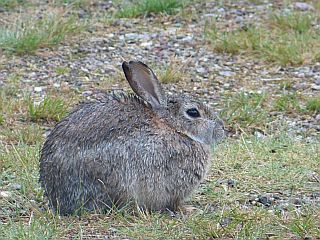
point(271, 165)
point(245, 110)
point(146, 7)
point(50, 109)
point(74, 3)
point(30, 134)
point(171, 73)
point(28, 35)
point(292, 21)
point(9, 4)
point(10, 106)
point(313, 104)
point(287, 102)
point(286, 39)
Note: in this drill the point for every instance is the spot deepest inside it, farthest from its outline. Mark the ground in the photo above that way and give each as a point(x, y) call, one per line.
point(257, 63)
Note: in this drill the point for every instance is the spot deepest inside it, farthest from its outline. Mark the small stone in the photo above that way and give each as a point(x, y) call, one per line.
point(298, 202)
point(259, 135)
point(264, 200)
point(87, 93)
point(5, 194)
point(187, 39)
point(226, 73)
point(225, 222)
point(238, 19)
point(303, 6)
point(132, 36)
point(16, 186)
point(231, 183)
point(56, 85)
point(37, 89)
point(315, 195)
point(221, 10)
point(201, 70)
point(209, 15)
point(315, 87)
point(146, 44)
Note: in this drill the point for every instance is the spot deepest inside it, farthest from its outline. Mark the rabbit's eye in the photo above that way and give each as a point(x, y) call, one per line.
point(193, 112)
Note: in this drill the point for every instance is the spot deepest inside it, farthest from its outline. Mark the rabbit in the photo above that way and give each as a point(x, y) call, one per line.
point(145, 147)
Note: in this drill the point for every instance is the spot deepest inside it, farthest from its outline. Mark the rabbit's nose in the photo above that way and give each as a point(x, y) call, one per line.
point(219, 130)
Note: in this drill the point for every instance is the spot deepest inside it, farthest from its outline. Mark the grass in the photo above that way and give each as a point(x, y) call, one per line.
point(247, 110)
point(313, 104)
point(171, 73)
point(74, 3)
point(146, 7)
point(272, 165)
point(50, 109)
point(286, 39)
point(10, 4)
point(287, 102)
point(28, 35)
point(10, 106)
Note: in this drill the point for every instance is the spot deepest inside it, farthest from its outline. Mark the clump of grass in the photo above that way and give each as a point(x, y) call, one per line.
point(74, 3)
point(292, 21)
point(26, 36)
point(62, 70)
point(30, 134)
point(234, 41)
point(286, 85)
point(287, 102)
point(171, 73)
point(245, 110)
point(9, 4)
point(287, 39)
point(146, 7)
point(313, 104)
point(50, 109)
point(10, 105)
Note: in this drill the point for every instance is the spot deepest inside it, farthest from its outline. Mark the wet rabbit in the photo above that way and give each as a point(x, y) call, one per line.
point(148, 148)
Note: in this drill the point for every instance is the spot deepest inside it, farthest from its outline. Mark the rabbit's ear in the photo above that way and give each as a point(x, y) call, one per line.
point(144, 83)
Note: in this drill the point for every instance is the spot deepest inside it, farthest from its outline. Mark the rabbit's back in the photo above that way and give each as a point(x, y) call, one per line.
point(117, 150)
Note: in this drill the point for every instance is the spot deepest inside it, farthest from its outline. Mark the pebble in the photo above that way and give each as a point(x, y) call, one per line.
point(16, 186)
point(315, 87)
point(37, 89)
point(303, 6)
point(187, 39)
point(201, 70)
point(231, 183)
point(5, 194)
point(259, 135)
point(317, 81)
point(226, 73)
point(146, 44)
point(86, 93)
point(264, 200)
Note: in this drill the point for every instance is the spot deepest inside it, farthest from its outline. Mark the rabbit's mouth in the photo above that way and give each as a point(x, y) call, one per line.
point(208, 139)
point(218, 135)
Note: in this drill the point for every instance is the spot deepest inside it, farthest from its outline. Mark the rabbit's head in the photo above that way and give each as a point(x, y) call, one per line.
point(182, 113)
